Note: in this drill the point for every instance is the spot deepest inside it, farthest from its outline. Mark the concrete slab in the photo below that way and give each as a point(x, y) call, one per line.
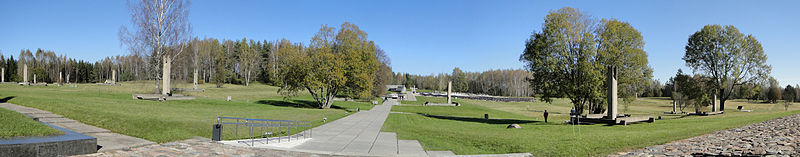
point(409, 147)
point(358, 147)
point(386, 144)
point(114, 141)
point(81, 128)
point(440, 153)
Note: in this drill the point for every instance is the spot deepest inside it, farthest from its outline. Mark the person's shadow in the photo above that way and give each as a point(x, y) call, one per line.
point(4, 100)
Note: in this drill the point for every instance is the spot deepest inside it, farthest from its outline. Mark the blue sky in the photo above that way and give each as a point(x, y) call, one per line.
point(420, 37)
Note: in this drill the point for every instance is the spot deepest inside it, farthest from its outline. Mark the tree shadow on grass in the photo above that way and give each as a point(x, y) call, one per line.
point(293, 103)
point(482, 120)
point(4, 100)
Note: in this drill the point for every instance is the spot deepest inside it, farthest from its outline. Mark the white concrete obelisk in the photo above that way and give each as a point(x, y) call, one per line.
point(25, 73)
point(612, 93)
point(114, 76)
point(2, 74)
point(60, 78)
point(34, 78)
point(165, 76)
point(449, 89)
point(714, 103)
point(195, 78)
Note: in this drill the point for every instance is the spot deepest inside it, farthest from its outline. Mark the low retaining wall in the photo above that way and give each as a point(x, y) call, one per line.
point(70, 143)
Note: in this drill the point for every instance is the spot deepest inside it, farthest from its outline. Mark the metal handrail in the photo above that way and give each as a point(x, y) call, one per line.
point(257, 128)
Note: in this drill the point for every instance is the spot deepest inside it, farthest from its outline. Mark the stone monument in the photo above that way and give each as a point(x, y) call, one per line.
point(674, 102)
point(195, 78)
point(25, 73)
point(612, 93)
point(165, 76)
point(60, 79)
point(34, 78)
point(113, 76)
point(2, 74)
point(714, 103)
point(449, 86)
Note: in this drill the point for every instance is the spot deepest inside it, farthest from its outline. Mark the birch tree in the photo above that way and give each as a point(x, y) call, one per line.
point(160, 29)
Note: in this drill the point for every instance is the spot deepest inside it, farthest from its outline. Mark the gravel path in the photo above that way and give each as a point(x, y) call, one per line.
point(778, 137)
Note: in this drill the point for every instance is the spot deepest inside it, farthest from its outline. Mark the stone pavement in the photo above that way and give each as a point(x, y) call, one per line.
point(359, 134)
point(776, 137)
point(108, 140)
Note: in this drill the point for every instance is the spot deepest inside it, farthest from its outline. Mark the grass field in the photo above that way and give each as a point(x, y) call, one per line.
point(13, 124)
point(111, 107)
point(464, 131)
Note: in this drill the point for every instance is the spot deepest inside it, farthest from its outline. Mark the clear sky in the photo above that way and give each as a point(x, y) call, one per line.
point(420, 37)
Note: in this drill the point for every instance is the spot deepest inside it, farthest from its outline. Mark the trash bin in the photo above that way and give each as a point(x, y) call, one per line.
point(217, 132)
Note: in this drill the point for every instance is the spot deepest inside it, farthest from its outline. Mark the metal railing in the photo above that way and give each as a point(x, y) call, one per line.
point(266, 130)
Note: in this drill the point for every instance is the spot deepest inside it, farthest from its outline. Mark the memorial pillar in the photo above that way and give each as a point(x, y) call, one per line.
point(714, 103)
point(449, 86)
point(113, 76)
point(195, 78)
point(25, 73)
point(165, 76)
point(612, 93)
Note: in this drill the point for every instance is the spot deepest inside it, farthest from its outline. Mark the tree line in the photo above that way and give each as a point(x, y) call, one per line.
point(768, 90)
point(511, 82)
point(345, 62)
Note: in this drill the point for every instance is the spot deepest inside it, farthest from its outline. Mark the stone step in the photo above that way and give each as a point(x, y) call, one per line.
point(409, 147)
point(114, 141)
point(385, 144)
point(43, 115)
point(440, 153)
point(57, 120)
point(81, 128)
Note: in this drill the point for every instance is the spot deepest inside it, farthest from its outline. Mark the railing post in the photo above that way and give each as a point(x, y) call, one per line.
point(237, 129)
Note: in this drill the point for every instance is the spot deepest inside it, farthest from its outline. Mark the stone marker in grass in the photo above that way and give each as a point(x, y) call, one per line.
point(25, 73)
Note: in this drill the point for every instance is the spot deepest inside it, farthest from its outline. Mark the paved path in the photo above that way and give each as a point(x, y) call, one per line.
point(778, 137)
point(108, 140)
point(359, 134)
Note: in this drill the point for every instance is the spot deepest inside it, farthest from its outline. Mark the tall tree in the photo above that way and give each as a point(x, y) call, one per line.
point(789, 93)
point(334, 63)
point(249, 59)
point(728, 57)
point(622, 46)
point(161, 27)
point(459, 79)
point(359, 54)
point(383, 75)
point(571, 53)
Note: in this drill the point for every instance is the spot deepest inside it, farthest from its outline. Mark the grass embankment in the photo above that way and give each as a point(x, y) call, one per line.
point(112, 108)
point(13, 124)
point(464, 131)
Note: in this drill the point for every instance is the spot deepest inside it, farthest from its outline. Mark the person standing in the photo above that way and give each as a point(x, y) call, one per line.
point(545, 116)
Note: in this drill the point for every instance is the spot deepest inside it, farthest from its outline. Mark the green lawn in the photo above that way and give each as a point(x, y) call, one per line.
point(464, 131)
point(111, 107)
point(13, 124)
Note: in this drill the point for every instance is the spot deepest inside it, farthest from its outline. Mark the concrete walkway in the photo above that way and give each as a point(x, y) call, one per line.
point(108, 140)
point(359, 134)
